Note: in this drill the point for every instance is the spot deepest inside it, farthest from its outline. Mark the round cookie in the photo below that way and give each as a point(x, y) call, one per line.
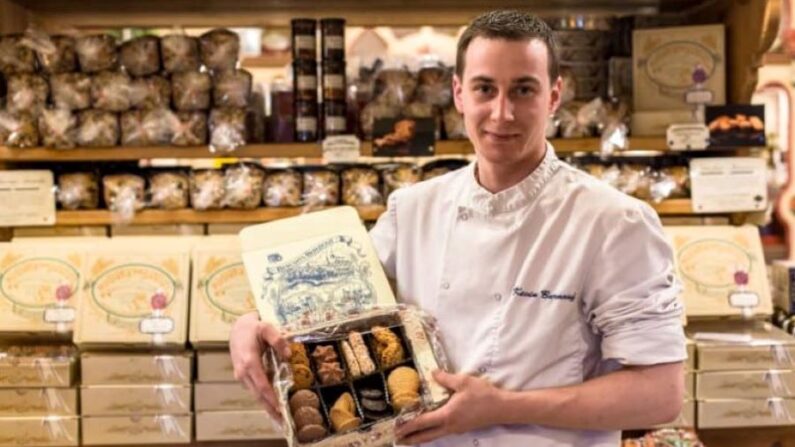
point(391, 355)
point(374, 404)
point(405, 402)
point(311, 433)
point(307, 416)
point(298, 354)
point(403, 379)
point(371, 393)
point(302, 376)
point(304, 398)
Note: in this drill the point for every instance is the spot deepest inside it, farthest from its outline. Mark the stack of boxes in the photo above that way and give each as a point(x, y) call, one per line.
point(132, 331)
point(38, 395)
point(225, 410)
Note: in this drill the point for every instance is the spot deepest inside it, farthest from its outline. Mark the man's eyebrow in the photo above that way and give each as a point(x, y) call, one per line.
point(482, 78)
point(526, 80)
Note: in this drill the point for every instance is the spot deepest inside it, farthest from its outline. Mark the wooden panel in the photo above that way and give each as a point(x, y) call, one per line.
point(749, 437)
point(13, 17)
point(756, 18)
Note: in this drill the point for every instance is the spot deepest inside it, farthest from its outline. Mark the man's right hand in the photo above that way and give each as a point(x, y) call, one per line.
point(247, 342)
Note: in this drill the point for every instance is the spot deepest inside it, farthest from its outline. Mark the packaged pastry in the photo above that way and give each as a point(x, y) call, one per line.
point(227, 129)
point(78, 190)
point(37, 366)
point(243, 186)
point(219, 49)
point(97, 128)
point(58, 128)
point(207, 189)
point(131, 123)
point(189, 129)
point(454, 127)
point(19, 130)
point(97, 53)
point(321, 186)
point(71, 91)
point(146, 127)
point(435, 84)
point(395, 87)
point(399, 175)
point(180, 53)
point(141, 56)
point(57, 54)
point(440, 167)
point(681, 178)
point(26, 93)
point(633, 180)
point(190, 90)
point(124, 193)
point(282, 188)
point(15, 56)
point(110, 90)
point(231, 88)
point(169, 190)
point(150, 92)
point(360, 186)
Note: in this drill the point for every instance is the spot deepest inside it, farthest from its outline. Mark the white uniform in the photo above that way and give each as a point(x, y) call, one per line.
point(552, 282)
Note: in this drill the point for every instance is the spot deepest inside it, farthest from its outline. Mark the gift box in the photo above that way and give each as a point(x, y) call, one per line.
point(27, 402)
point(121, 430)
point(41, 431)
point(135, 368)
point(37, 366)
point(235, 426)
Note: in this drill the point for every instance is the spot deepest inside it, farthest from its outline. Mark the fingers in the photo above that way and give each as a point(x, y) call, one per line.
point(274, 338)
point(423, 437)
point(423, 422)
point(453, 382)
point(272, 412)
point(263, 387)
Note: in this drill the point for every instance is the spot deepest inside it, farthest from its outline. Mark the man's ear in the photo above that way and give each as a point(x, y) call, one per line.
point(458, 88)
point(555, 95)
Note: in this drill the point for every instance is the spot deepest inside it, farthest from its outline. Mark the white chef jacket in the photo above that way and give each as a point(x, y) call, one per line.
point(554, 281)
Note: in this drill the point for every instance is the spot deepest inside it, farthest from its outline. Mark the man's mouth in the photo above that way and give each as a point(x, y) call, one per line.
point(500, 136)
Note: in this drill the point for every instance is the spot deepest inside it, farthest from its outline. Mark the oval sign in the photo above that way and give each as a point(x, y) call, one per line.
point(711, 263)
point(125, 291)
point(671, 65)
point(32, 282)
point(228, 290)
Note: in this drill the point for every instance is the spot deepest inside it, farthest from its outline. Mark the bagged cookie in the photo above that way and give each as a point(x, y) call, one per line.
point(124, 193)
point(360, 186)
point(231, 88)
point(399, 175)
point(110, 90)
point(190, 90)
point(131, 124)
point(435, 84)
point(243, 186)
point(141, 56)
point(189, 129)
point(169, 190)
point(16, 56)
point(78, 190)
point(71, 91)
point(454, 126)
point(219, 49)
point(97, 128)
point(57, 55)
point(19, 130)
point(150, 92)
point(207, 189)
point(321, 186)
point(58, 128)
point(282, 188)
point(228, 129)
point(26, 93)
point(146, 127)
point(96, 53)
point(179, 53)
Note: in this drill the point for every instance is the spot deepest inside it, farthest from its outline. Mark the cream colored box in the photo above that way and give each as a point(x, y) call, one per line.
point(113, 400)
point(37, 366)
point(224, 397)
point(735, 413)
point(686, 418)
point(214, 366)
point(48, 431)
point(226, 228)
point(690, 363)
point(27, 402)
point(126, 430)
point(667, 62)
point(745, 384)
point(690, 386)
point(766, 347)
point(235, 426)
point(220, 291)
point(656, 123)
point(708, 260)
point(39, 284)
point(135, 368)
point(46, 232)
point(136, 293)
point(158, 230)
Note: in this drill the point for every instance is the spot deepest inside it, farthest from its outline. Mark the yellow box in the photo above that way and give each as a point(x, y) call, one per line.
point(235, 426)
point(136, 369)
point(47, 232)
point(225, 228)
point(28, 402)
point(214, 366)
point(224, 397)
point(136, 293)
point(690, 363)
point(686, 418)
point(665, 60)
point(37, 366)
point(48, 431)
point(735, 413)
point(126, 430)
point(745, 384)
point(118, 400)
point(690, 386)
point(220, 290)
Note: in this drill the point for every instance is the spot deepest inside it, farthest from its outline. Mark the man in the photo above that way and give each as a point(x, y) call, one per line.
point(554, 293)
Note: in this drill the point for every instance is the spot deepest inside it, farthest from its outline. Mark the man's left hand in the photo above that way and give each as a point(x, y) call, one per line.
point(472, 405)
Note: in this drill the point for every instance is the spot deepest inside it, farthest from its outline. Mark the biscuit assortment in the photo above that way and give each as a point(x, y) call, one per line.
point(350, 381)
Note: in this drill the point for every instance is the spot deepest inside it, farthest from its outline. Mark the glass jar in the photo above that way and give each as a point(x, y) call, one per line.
point(334, 118)
point(306, 121)
point(333, 80)
point(333, 39)
point(304, 40)
point(282, 120)
point(305, 79)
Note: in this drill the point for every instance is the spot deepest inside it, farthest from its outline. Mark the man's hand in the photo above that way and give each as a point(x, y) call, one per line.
point(472, 405)
point(248, 340)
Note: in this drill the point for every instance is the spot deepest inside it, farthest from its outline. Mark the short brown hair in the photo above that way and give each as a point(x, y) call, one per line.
point(509, 25)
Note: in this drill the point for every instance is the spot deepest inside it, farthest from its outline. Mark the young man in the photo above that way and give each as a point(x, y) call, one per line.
point(555, 294)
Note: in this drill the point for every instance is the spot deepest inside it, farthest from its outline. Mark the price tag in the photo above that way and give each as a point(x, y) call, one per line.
point(59, 315)
point(26, 198)
point(157, 325)
point(341, 149)
point(728, 184)
point(687, 137)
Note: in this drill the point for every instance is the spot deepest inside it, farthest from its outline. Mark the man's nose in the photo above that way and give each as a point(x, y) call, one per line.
point(502, 108)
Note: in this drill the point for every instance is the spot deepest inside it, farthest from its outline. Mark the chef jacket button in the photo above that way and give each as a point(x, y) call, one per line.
point(482, 370)
point(497, 296)
point(475, 442)
point(445, 285)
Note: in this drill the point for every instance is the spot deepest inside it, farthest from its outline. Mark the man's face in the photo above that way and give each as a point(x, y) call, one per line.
point(505, 96)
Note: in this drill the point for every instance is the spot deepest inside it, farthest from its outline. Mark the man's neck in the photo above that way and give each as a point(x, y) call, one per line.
point(499, 177)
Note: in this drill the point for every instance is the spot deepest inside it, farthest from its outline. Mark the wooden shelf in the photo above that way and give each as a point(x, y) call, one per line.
point(673, 207)
point(267, 61)
point(276, 150)
point(189, 216)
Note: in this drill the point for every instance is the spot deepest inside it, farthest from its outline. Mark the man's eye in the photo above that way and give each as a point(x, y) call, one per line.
point(524, 91)
point(484, 89)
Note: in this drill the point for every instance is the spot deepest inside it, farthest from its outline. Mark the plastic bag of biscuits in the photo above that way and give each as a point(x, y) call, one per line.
point(78, 190)
point(361, 186)
point(26, 93)
point(71, 91)
point(188, 128)
point(227, 128)
point(219, 49)
point(231, 88)
point(55, 54)
point(321, 186)
point(243, 186)
point(282, 187)
point(110, 90)
point(150, 92)
point(124, 194)
point(19, 130)
point(97, 128)
point(207, 189)
point(169, 190)
point(190, 90)
point(97, 53)
point(58, 128)
point(179, 53)
point(141, 56)
point(15, 55)
point(398, 175)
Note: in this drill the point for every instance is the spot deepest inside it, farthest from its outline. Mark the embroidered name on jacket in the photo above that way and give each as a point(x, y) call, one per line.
point(544, 294)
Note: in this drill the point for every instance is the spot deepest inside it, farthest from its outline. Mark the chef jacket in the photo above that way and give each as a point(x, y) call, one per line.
point(551, 282)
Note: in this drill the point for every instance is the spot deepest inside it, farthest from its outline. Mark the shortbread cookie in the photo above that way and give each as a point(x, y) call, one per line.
point(366, 364)
point(350, 359)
